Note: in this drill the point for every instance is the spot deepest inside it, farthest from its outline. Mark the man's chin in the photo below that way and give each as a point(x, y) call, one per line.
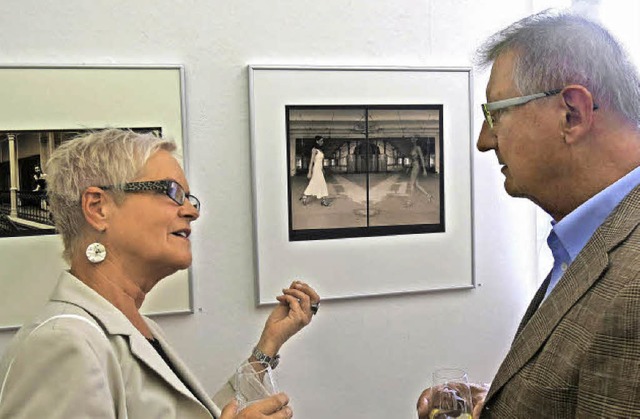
point(512, 190)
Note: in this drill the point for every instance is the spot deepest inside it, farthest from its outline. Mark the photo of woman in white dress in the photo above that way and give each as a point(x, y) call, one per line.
point(363, 170)
point(317, 185)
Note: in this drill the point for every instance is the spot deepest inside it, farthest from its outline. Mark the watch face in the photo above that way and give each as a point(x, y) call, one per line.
point(96, 252)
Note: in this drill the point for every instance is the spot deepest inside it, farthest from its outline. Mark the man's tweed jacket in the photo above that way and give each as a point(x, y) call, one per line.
point(578, 353)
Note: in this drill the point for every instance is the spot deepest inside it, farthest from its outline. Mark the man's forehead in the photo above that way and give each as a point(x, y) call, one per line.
point(501, 83)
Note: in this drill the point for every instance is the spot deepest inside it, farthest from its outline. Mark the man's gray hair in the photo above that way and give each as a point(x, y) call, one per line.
point(556, 49)
point(101, 158)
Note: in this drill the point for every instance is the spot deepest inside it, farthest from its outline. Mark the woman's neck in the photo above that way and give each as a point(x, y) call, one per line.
point(117, 288)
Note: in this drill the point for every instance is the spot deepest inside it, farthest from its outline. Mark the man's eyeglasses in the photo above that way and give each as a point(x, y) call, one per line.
point(487, 108)
point(171, 188)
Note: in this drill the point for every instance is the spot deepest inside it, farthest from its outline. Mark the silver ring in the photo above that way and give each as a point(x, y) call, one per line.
point(315, 307)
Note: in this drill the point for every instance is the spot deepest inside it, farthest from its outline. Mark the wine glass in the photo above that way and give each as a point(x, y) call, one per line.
point(254, 381)
point(451, 395)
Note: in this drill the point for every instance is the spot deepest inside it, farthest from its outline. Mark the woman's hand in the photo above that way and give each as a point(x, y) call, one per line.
point(274, 407)
point(289, 317)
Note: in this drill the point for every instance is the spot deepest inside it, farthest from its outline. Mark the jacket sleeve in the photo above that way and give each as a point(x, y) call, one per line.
point(609, 377)
point(58, 373)
point(225, 394)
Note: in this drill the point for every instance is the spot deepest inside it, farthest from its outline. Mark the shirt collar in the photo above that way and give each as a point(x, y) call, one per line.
point(575, 230)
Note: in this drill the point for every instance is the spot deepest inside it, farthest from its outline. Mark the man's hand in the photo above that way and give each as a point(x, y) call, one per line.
point(425, 404)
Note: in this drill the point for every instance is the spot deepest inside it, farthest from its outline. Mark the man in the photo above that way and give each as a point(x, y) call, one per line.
point(563, 118)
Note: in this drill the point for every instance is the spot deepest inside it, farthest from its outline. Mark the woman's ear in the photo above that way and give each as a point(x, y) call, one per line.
point(95, 207)
point(579, 111)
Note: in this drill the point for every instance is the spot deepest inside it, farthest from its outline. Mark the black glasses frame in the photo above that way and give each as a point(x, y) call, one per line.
point(170, 188)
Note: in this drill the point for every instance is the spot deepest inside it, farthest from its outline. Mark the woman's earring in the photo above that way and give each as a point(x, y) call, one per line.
point(96, 252)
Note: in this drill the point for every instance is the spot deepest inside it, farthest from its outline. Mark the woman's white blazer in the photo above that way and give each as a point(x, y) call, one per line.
point(82, 358)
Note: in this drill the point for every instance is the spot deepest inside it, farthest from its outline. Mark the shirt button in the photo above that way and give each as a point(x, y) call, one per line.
point(564, 266)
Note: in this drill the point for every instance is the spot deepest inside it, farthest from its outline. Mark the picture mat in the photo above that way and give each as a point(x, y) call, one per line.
point(49, 98)
point(356, 267)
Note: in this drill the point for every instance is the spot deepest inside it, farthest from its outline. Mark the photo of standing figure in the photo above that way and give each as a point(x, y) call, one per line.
point(417, 161)
point(378, 167)
point(317, 185)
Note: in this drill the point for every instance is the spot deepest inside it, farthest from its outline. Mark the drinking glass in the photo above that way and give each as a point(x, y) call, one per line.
point(254, 381)
point(451, 395)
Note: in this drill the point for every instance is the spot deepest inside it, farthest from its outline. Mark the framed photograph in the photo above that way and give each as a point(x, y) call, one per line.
point(379, 168)
point(362, 179)
point(43, 107)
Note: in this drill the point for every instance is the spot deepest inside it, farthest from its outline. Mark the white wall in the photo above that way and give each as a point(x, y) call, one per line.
point(367, 358)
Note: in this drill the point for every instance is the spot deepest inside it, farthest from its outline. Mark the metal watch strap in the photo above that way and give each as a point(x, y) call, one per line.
point(266, 359)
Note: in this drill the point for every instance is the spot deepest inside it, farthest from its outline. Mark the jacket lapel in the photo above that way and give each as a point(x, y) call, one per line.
point(72, 290)
point(146, 353)
point(183, 370)
point(587, 268)
point(533, 306)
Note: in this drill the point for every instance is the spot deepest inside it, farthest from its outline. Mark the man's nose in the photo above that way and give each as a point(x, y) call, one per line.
point(486, 139)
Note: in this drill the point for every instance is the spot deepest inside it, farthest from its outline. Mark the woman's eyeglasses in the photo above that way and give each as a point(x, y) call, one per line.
point(171, 188)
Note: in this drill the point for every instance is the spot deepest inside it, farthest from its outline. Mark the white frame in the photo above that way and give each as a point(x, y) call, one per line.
point(363, 266)
point(49, 97)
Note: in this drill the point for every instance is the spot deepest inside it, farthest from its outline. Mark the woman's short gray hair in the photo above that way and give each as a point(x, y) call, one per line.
point(556, 49)
point(100, 158)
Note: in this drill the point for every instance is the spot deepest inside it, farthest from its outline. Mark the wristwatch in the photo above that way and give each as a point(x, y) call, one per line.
point(266, 359)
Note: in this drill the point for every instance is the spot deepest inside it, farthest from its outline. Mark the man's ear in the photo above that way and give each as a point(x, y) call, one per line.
point(95, 207)
point(579, 109)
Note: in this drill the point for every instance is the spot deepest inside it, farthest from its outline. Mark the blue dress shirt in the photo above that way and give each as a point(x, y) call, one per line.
point(571, 234)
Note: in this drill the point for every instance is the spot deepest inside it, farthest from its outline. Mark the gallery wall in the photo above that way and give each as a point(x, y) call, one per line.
point(360, 358)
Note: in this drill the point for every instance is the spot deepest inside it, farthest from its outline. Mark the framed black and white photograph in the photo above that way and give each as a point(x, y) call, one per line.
point(360, 173)
point(24, 209)
point(364, 170)
point(43, 107)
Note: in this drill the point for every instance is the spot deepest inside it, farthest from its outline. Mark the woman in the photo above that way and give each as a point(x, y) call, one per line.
point(317, 186)
point(417, 160)
point(121, 202)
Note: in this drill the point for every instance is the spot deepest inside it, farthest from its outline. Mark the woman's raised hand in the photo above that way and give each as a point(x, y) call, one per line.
point(274, 407)
point(296, 307)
